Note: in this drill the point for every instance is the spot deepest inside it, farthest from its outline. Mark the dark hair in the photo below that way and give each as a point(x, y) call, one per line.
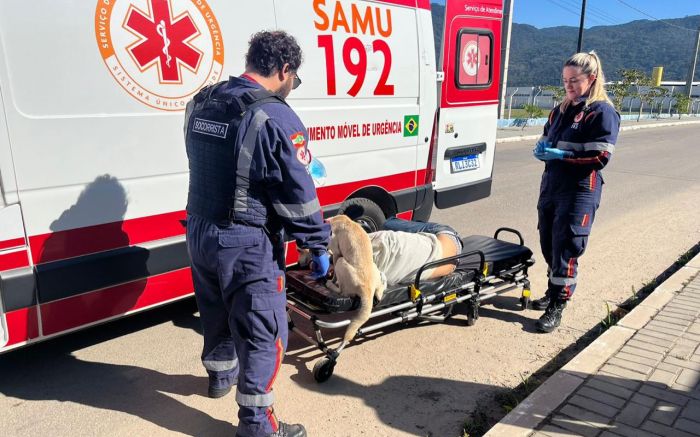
point(268, 51)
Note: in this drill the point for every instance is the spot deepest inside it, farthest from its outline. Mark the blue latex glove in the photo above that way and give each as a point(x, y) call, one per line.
point(539, 149)
point(320, 263)
point(550, 154)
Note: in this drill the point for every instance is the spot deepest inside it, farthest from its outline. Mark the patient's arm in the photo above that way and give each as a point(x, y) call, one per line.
point(449, 248)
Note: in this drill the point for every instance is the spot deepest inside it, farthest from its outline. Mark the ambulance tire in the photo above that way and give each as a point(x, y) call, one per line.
point(365, 212)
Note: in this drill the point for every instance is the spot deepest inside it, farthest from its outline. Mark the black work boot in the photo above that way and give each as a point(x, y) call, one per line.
point(551, 318)
point(286, 430)
point(541, 304)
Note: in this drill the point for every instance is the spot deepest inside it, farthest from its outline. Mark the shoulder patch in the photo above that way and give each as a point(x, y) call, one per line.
point(209, 127)
point(298, 139)
point(578, 117)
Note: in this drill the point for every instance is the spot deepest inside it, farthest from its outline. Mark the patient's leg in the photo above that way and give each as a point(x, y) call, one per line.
point(449, 248)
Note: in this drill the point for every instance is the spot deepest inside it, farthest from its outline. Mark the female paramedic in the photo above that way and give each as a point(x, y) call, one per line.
point(577, 143)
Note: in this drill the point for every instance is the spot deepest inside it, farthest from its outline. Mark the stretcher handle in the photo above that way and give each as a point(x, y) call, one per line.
point(512, 231)
point(430, 265)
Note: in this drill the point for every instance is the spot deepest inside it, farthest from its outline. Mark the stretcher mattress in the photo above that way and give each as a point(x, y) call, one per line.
point(500, 256)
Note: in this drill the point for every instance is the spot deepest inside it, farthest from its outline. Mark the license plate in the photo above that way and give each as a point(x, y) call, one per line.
point(464, 163)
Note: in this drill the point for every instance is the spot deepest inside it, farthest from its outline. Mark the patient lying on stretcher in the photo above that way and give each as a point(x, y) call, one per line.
point(403, 246)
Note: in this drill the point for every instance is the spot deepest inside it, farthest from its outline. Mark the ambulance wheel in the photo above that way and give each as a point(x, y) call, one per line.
point(365, 212)
point(323, 369)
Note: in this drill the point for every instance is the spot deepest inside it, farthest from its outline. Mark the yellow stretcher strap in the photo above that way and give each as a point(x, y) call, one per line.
point(526, 292)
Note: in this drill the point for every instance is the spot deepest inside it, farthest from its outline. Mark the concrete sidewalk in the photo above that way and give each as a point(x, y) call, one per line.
point(640, 378)
point(530, 133)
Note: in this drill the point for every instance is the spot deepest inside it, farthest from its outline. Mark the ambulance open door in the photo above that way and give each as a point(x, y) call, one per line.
point(468, 101)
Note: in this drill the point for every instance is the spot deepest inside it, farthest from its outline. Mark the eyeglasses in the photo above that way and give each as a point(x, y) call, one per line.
point(297, 82)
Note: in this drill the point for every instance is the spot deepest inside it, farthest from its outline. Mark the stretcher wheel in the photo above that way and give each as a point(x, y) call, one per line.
point(524, 303)
point(323, 369)
point(471, 320)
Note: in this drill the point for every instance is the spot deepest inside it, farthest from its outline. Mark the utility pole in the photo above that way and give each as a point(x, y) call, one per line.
point(505, 54)
point(691, 70)
point(580, 27)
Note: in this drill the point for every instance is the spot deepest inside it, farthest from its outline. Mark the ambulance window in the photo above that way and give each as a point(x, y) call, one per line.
point(474, 55)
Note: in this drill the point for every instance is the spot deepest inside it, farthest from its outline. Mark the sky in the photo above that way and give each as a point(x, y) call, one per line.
point(549, 13)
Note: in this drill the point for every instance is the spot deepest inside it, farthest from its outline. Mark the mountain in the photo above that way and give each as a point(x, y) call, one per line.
point(537, 55)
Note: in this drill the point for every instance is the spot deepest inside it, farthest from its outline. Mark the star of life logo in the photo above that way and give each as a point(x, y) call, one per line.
point(161, 52)
point(470, 62)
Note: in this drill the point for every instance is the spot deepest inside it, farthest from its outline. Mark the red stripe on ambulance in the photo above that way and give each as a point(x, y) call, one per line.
point(14, 260)
point(91, 307)
point(22, 325)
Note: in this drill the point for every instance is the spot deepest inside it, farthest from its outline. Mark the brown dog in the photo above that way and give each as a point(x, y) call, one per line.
point(355, 271)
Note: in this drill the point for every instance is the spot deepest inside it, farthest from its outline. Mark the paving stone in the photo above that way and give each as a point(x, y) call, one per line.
point(669, 367)
point(627, 431)
point(683, 363)
point(599, 383)
point(677, 314)
point(599, 396)
point(683, 350)
point(669, 325)
point(661, 378)
point(658, 327)
point(651, 331)
point(665, 343)
point(643, 400)
point(692, 411)
point(629, 349)
point(691, 337)
point(580, 427)
point(622, 372)
point(638, 359)
point(665, 413)
point(694, 328)
point(683, 323)
point(623, 381)
point(637, 344)
point(554, 431)
point(687, 302)
point(680, 310)
point(663, 430)
point(593, 405)
point(688, 426)
point(640, 368)
point(633, 414)
point(663, 395)
point(689, 378)
point(580, 408)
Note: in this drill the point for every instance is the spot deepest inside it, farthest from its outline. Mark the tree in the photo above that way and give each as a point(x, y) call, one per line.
point(681, 104)
point(532, 111)
point(558, 93)
point(649, 96)
point(629, 86)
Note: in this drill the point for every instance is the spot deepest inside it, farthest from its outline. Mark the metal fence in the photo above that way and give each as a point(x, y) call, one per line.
point(518, 97)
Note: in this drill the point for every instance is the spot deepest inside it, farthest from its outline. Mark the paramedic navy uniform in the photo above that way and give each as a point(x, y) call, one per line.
point(248, 185)
point(571, 188)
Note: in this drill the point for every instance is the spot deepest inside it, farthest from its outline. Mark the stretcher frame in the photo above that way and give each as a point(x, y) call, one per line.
point(435, 307)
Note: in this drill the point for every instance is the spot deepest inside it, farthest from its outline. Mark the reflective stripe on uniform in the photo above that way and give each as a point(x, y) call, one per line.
point(562, 281)
point(220, 366)
point(260, 400)
point(586, 147)
point(245, 159)
point(298, 210)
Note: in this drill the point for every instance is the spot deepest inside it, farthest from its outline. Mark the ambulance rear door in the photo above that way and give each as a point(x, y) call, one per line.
point(468, 101)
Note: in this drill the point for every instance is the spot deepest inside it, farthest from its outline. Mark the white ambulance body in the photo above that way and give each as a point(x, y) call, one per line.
point(93, 171)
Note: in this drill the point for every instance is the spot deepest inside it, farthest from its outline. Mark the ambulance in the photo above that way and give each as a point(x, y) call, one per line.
point(93, 171)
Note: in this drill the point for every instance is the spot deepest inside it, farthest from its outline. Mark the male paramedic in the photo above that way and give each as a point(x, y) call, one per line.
point(248, 184)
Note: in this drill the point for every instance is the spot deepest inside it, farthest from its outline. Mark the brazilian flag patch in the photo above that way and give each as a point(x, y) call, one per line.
point(410, 125)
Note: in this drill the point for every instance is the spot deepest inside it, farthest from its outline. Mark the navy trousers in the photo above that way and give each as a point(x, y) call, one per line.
point(238, 275)
point(565, 220)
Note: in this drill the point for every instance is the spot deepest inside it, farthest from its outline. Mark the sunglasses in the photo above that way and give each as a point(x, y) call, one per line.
point(296, 82)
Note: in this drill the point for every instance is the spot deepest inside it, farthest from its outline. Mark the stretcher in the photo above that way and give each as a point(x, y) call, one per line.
point(487, 267)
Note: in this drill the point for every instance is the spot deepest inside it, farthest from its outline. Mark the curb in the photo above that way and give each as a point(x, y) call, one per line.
point(622, 128)
point(534, 409)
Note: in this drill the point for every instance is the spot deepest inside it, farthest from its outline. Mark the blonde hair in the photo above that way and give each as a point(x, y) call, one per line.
point(589, 63)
